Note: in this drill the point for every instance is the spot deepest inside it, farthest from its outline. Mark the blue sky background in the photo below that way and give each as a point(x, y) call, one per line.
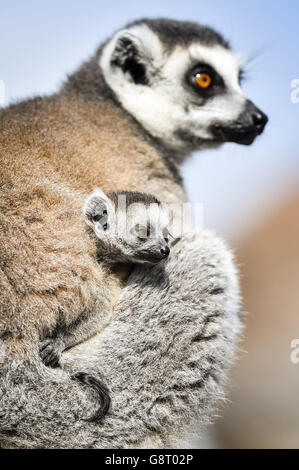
point(41, 41)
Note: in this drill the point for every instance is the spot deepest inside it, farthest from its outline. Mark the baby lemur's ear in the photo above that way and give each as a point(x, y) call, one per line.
point(97, 208)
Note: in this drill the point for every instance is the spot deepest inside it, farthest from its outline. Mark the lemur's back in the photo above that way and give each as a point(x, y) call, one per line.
point(53, 151)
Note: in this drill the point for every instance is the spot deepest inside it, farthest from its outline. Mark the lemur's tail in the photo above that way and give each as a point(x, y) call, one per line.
point(103, 394)
point(30, 392)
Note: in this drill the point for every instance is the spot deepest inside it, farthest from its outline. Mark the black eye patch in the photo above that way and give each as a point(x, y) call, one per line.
point(216, 83)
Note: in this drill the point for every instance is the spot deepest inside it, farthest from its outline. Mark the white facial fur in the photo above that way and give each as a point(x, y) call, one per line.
point(165, 106)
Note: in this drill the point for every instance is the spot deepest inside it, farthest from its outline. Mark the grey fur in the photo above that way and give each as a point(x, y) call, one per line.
point(165, 356)
point(165, 353)
point(115, 245)
point(182, 33)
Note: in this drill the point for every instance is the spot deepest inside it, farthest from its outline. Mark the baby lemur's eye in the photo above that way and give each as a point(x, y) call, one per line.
point(105, 226)
point(143, 231)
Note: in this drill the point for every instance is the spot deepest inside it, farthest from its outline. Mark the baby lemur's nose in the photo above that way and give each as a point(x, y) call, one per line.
point(165, 251)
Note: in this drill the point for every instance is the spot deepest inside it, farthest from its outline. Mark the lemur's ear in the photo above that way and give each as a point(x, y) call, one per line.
point(134, 52)
point(97, 208)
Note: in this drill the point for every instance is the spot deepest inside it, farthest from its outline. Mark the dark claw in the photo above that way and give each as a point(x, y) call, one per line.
point(44, 344)
point(49, 353)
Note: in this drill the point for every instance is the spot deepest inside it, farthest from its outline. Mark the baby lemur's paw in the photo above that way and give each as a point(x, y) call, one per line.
point(50, 352)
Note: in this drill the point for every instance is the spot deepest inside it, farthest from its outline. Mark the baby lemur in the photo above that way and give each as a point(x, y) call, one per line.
point(129, 227)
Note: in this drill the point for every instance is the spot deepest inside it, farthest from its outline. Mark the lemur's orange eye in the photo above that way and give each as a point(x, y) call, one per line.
point(203, 80)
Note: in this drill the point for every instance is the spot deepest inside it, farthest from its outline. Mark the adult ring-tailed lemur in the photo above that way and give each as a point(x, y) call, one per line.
point(151, 94)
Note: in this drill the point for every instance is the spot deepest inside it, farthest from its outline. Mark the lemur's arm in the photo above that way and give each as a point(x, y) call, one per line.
point(164, 356)
point(81, 330)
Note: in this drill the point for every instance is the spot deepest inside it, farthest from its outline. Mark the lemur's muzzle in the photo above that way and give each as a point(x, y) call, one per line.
point(245, 129)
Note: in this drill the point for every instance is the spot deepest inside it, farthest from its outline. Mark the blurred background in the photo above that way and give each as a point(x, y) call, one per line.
point(250, 194)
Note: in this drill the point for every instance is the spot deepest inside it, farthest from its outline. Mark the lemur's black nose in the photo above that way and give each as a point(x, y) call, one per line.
point(260, 120)
point(165, 251)
point(248, 125)
point(253, 118)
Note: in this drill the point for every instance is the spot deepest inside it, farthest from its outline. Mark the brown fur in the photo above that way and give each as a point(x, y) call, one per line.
point(53, 151)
